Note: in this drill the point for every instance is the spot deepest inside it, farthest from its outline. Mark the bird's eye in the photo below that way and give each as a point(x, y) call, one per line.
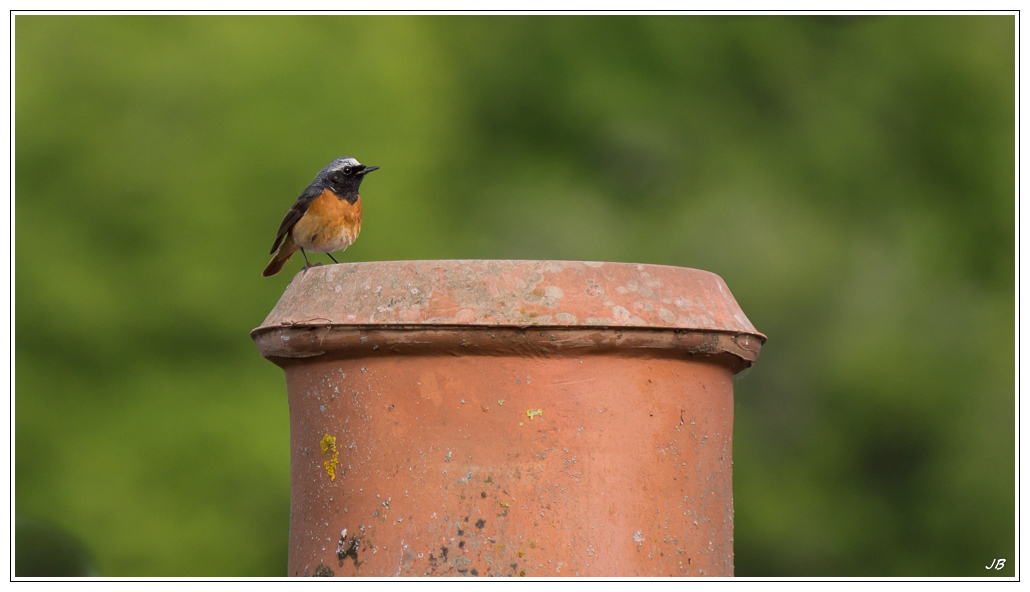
point(346, 170)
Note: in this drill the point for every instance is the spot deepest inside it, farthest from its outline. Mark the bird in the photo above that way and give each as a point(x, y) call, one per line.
point(325, 218)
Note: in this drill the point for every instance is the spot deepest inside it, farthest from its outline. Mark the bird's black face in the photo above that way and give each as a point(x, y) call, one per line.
point(350, 174)
point(344, 176)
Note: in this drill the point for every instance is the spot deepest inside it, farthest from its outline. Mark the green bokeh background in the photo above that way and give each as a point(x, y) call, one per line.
point(851, 178)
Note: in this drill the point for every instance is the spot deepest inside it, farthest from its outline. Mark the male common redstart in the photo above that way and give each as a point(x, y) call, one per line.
point(326, 216)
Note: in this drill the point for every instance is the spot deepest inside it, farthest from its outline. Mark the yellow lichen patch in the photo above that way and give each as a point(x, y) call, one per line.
point(532, 545)
point(505, 505)
point(500, 402)
point(521, 553)
point(328, 443)
point(533, 413)
point(330, 468)
point(328, 446)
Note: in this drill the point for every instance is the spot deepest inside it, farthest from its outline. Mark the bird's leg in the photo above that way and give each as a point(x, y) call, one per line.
point(331, 257)
point(307, 264)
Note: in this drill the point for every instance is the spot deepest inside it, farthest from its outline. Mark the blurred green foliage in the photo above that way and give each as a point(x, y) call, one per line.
point(45, 550)
point(851, 178)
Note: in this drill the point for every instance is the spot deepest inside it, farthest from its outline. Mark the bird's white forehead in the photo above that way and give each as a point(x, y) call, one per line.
point(339, 163)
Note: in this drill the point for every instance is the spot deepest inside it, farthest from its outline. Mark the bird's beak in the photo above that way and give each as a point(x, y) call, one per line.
point(368, 170)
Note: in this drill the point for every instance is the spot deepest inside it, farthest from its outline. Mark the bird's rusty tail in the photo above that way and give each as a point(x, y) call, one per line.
point(286, 251)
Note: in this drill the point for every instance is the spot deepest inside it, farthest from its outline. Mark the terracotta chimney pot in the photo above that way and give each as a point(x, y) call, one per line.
point(509, 418)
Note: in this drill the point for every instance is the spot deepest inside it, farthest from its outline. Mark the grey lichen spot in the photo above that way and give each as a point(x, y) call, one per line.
point(667, 315)
point(473, 297)
point(600, 321)
point(566, 318)
point(533, 279)
point(638, 537)
point(619, 313)
point(552, 296)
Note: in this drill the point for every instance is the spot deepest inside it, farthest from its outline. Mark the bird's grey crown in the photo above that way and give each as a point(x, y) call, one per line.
point(336, 165)
point(343, 161)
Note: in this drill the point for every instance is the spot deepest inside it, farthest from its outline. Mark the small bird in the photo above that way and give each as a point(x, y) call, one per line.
point(325, 218)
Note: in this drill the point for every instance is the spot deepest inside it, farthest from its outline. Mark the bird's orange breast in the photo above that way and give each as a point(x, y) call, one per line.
point(329, 224)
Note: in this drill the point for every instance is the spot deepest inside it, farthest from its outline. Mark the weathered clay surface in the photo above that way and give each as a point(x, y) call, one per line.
point(510, 294)
point(505, 418)
point(626, 471)
point(737, 350)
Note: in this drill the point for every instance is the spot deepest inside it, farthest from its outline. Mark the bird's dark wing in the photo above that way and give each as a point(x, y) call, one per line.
point(296, 212)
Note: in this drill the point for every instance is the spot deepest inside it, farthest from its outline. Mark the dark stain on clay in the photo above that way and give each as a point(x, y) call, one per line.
point(348, 547)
